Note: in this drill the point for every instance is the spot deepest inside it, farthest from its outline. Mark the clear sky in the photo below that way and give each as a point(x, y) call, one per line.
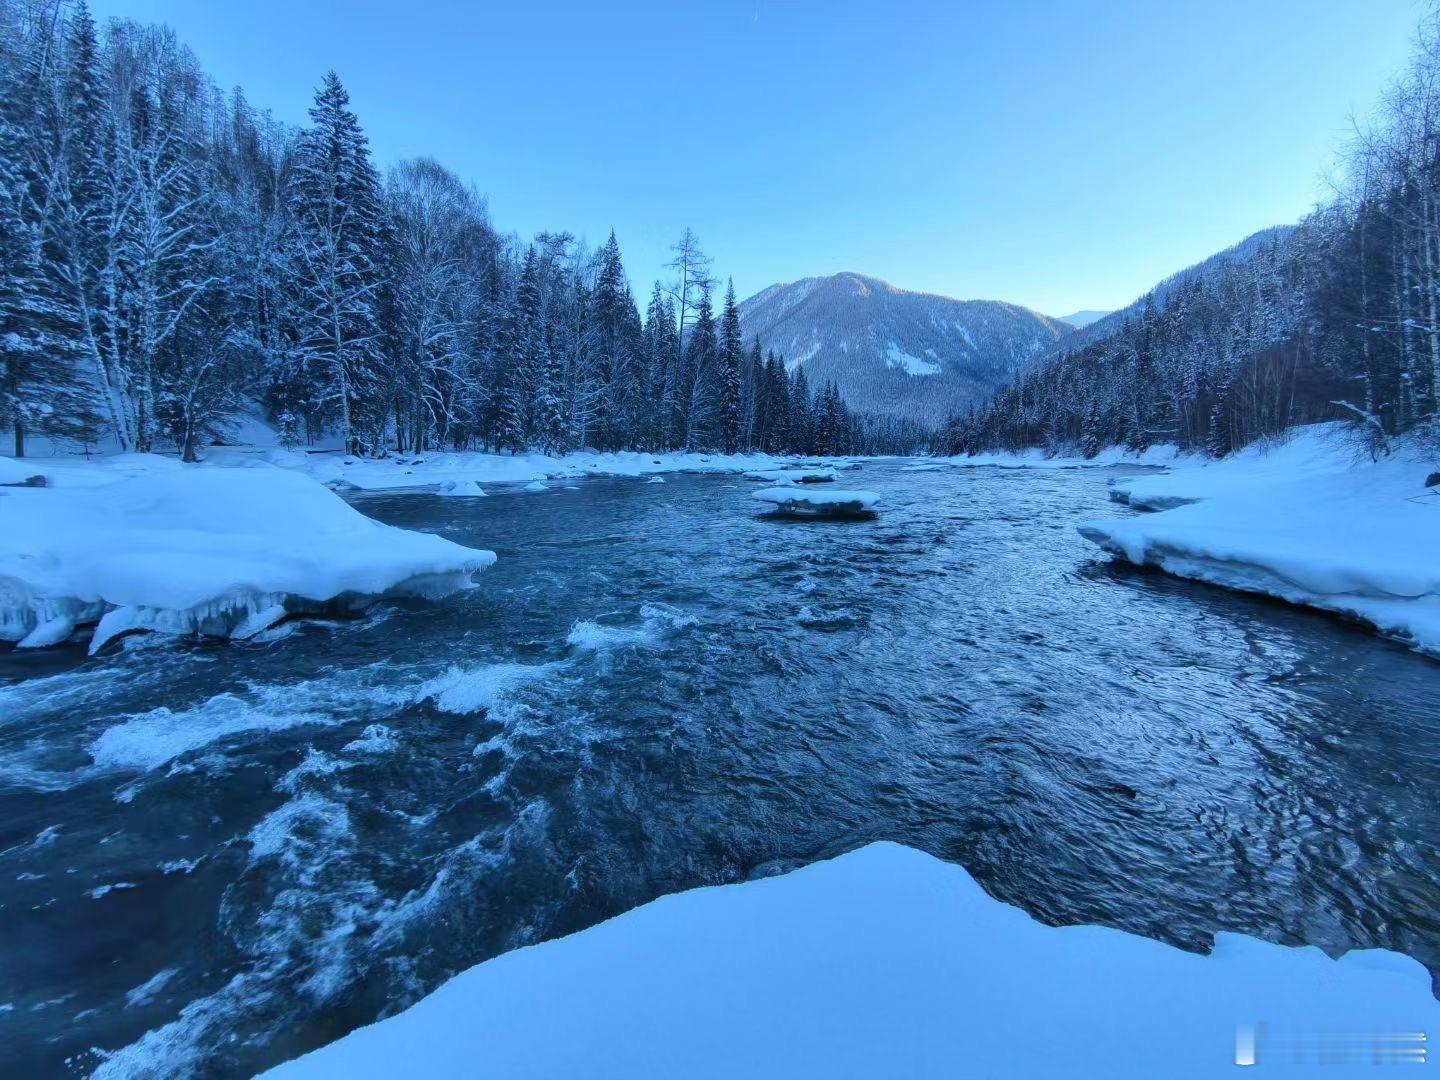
point(1055, 153)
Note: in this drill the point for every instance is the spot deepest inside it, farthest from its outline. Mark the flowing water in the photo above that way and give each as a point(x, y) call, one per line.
point(246, 850)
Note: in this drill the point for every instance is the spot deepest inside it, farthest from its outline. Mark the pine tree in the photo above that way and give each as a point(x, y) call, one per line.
point(777, 396)
point(335, 198)
point(732, 357)
point(701, 359)
point(757, 399)
point(801, 429)
point(614, 323)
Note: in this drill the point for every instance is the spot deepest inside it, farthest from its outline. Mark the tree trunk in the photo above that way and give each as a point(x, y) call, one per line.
point(19, 438)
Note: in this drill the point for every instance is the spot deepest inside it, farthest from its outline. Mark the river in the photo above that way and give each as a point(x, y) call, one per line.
point(250, 849)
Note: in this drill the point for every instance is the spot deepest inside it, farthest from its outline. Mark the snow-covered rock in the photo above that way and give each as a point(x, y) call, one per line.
point(460, 489)
point(795, 499)
point(537, 485)
point(209, 550)
point(885, 962)
point(1305, 523)
point(793, 476)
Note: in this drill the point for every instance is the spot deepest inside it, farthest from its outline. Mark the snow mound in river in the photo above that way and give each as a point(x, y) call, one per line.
point(1307, 524)
point(885, 962)
point(793, 476)
point(460, 489)
point(804, 500)
point(226, 552)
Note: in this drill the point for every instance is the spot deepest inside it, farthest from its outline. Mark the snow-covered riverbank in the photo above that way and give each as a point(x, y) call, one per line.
point(1163, 455)
point(420, 470)
point(884, 962)
point(225, 552)
point(1311, 521)
point(228, 546)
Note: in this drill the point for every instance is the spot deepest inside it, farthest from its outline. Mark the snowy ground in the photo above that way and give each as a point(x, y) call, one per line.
point(1312, 521)
point(143, 543)
point(888, 963)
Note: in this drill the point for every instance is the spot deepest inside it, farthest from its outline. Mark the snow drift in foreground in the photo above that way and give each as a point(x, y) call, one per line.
point(795, 499)
point(1306, 523)
point(882, 963)
point(225, 552)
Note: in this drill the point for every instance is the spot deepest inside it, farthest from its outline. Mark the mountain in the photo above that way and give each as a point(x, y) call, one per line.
point(1205, 270)
point(1082, 319)
point(892, 351)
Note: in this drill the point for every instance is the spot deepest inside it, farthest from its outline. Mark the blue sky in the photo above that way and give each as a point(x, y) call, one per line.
point(1056, 154)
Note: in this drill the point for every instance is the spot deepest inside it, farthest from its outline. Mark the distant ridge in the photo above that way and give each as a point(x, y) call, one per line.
point(1082, 319)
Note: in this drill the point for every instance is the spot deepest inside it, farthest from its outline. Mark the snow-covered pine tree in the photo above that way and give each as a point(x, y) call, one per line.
point(653, 400)
point(84, 201)
point(755, 397)
point(780, 420)
point(701, 360)
point(800, 431)
point(334, 195)
point(43, 389)
point(732, 359)
point(165, 249)
point(530, 370)
point(615, 328)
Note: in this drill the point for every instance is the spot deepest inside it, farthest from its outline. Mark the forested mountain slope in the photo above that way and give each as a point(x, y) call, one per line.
point(1335, 317)
point(891, 351)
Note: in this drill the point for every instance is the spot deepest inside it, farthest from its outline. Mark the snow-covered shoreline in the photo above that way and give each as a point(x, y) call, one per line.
point(401, 471)
point(883, 962)
point(251, 535)
point(218, 551)
point(1160, 456)
point(1309, 521)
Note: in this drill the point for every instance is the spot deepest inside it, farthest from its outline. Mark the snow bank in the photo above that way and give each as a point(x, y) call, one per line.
point(1317, 450)
point(1036, 458)
point(75, 471)
point(1305, 523)
point(882, 963)
point(216, 551)
point(797, 500)
point(423, 470)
